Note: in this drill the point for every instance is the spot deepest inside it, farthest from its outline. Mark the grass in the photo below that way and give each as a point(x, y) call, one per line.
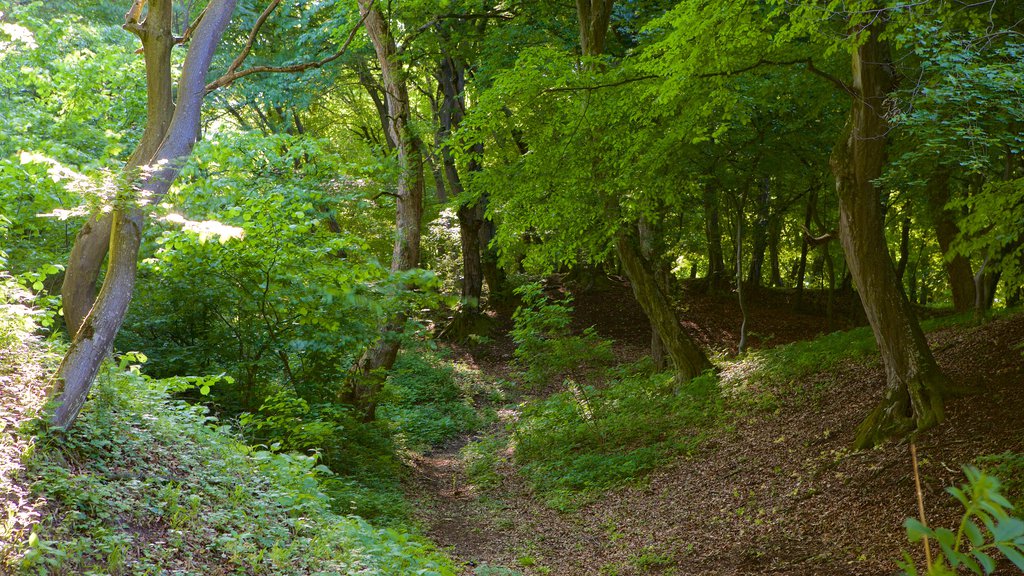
point(580, 442)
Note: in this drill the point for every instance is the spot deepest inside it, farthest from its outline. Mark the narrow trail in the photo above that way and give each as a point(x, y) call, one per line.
point(776, 491)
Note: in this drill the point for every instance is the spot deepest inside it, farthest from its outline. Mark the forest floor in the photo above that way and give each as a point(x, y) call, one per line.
point(774, 491)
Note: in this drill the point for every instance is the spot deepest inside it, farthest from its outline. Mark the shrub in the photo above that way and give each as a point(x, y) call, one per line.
point(545, 347)
point(986, 528)
point(423, 403)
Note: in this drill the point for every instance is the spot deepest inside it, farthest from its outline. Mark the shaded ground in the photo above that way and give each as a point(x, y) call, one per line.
point(780, 493)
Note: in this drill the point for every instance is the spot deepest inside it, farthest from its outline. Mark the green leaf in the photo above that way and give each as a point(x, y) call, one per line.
point(1012, 554)
point(985, 560)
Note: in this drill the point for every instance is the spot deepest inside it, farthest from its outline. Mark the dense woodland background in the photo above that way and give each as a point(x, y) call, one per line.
point(511, 287)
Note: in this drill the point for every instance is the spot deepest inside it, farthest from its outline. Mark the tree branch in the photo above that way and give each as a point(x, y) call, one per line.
point(233, 73)
point(600, 86)
point(809, 63)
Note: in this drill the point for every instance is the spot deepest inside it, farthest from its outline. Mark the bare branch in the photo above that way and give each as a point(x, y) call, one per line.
point(252, 37)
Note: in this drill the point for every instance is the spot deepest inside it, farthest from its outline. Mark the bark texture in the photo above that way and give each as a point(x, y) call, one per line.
point(688, 359)
point(95, 337)
point(914, 384)
point(85, 263)
point(409, 199)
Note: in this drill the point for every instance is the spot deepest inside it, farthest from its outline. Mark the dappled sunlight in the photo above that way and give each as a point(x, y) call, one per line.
point(206, 229)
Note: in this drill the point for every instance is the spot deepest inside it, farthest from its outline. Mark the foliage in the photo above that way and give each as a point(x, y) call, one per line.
point(482, 459)
point(146, 484)
point(587, 439)
point(986, 528)
point(1010, 467)
point(424, 404)
point(545, 348)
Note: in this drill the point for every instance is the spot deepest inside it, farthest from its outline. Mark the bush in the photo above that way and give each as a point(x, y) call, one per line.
point(545, 348)
point(424, 404)
point(144, 484)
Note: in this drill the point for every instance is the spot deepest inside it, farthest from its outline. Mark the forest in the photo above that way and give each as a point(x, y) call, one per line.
point(511, 287)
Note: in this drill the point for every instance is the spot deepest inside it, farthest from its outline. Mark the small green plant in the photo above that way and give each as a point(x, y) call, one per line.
point(650, 559)
point(986, 528)
point(482, 459)
point(545, 347)
point(590, 439)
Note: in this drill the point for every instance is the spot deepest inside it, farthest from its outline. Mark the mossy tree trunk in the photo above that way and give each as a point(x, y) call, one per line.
point(913, 398)
point(78, 292)
point(96, 332)
point(377, 360)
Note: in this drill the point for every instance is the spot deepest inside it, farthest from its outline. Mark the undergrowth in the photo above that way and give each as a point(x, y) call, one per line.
point(145, 484)
point(583, 440)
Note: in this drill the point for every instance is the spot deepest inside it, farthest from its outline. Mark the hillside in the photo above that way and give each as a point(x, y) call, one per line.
point(775, 489)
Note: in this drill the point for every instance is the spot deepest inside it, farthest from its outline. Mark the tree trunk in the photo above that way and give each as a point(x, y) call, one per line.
point(774, 237)
point(409, 200)
point(648, 251)
point(914, 383)
point(760, 244)
point(94, 338)
point(901, 265)
point(78, 292)
point(451, 78)
point(958, 267)
point(688, 359)
point(812, 201)
point(713, 234)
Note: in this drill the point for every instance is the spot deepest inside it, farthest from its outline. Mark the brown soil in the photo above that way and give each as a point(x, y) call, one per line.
point(778, 493)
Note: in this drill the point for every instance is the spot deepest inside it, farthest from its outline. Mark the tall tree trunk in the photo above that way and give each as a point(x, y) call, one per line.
point(958, 267)
point(78, 292)
point(94, 338)
point(914, 382)
point(409, 200)
point(713, 235)
point(901, 264)
point(451, 78)
point(760, 244)
point(774, 237)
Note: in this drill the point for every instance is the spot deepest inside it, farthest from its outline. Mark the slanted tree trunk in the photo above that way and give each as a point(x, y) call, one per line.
point(96, 331)
point(409, 200)
point(957, 266)
point(648, 250)
point(914, 383)
point(689, 360)
point(85, 263)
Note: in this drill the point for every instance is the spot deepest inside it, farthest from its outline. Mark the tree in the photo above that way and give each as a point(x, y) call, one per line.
point(408, 194)
point(914, 383)
point(175, 136)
